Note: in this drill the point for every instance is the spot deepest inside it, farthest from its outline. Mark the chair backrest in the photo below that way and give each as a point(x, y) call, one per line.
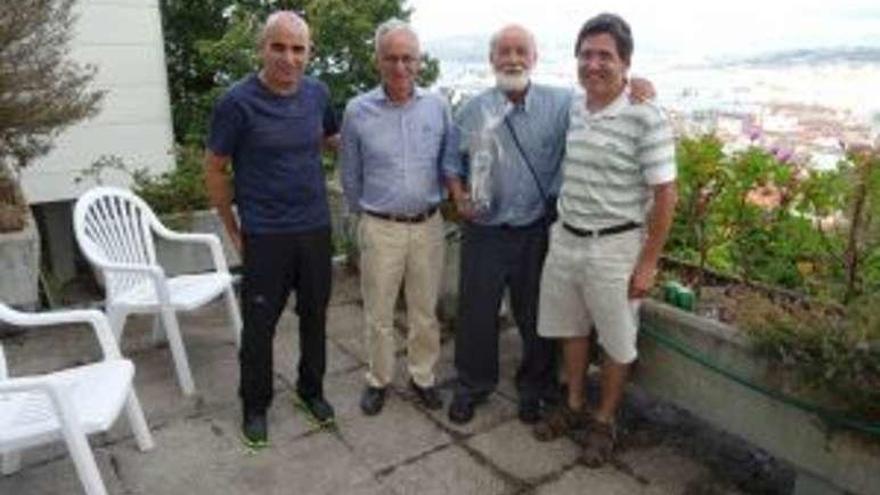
point(114, 225)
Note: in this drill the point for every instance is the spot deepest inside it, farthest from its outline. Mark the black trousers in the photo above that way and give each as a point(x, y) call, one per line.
point(275, 264)
point(493, 258)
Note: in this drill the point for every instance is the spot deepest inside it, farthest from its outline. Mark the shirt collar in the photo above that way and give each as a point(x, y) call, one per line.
point(613, 108)
point(378, 93)
point(527, 104)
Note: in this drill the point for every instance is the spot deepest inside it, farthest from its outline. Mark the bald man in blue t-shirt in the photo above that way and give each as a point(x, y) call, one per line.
point(271, 126)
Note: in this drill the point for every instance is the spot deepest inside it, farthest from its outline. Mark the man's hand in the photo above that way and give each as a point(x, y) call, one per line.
point(237, 243)
point(642, 280)
point(332, 143)
point(465, 206)
point(641, 90)
point(461, 198)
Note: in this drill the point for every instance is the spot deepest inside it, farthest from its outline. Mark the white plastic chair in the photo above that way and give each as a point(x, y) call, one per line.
point(68, 404)
point(114, 229)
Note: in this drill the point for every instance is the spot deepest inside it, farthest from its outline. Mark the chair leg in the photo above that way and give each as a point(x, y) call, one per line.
point(84, 460)
point(138, 423)
point(10, 463)
point(159, 336)
point(117, 318)
point(234, 314)
point(178, 352)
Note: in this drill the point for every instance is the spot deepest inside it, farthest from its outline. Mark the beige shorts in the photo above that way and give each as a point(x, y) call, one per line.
point(586, 282)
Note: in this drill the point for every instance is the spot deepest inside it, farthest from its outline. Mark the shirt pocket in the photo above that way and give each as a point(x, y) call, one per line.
point(428, 141)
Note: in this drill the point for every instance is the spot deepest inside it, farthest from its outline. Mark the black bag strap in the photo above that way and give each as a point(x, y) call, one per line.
point(528, 162)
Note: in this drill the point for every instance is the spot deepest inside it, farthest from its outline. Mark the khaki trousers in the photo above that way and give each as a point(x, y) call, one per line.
point(393, 253)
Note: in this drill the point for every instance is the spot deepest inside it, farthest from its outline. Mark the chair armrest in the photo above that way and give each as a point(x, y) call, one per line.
point(58, 394)
point(94, 318)
point(38, 383)
point(211, 240)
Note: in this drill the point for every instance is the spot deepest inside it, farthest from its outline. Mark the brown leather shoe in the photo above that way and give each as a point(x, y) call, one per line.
point(599, 443)
point(558, 422)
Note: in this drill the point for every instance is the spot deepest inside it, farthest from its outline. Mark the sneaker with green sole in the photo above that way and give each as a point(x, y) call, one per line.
point(317, 409)
point(255, 431)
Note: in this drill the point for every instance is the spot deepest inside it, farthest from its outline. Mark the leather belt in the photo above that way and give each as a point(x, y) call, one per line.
point(394, 217)
point(616, 229)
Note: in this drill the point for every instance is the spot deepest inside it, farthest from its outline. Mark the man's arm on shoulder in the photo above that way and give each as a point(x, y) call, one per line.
point(220, 194)
point(641, 90)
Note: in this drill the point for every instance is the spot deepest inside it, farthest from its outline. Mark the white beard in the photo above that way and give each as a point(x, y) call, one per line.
point(512, 82)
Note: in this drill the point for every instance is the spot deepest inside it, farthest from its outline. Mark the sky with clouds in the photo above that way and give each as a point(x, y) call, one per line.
point(684, 27)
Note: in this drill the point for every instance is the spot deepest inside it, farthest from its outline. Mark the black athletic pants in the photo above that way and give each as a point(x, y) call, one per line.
point(275, 264)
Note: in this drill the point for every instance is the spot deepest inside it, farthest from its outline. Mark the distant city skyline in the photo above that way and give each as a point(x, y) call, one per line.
point(685, 29)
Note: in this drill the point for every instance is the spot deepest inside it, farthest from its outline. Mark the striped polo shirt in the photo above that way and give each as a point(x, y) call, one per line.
point(612, 159)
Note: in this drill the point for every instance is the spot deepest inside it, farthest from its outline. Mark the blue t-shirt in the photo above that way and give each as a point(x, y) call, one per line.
point(275, 145)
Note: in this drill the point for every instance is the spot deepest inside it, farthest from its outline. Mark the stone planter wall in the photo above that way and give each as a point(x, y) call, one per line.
point(827, 461)
point(20, 266)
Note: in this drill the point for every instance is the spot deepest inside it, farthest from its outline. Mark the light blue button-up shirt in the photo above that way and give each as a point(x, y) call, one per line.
point(540, 123)
point(393, 155)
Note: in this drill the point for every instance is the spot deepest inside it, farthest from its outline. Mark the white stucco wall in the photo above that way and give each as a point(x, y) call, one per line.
point(123, 39)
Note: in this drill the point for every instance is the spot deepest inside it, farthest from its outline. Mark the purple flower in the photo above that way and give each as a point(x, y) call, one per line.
point(783, 155)
point(754, 132)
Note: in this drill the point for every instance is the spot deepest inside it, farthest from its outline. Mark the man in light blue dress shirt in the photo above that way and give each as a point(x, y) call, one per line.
point(512, 139)
point(395, 140)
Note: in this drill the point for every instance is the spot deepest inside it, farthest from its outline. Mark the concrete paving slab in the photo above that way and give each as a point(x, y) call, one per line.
point(207, 455)
point(496, 410)
point(512, 448)
point(448, 470)
point(343, 391)
point(663, 469)
point(215, 372)
point(58, 477)
point(395, 435)
point(605, 481)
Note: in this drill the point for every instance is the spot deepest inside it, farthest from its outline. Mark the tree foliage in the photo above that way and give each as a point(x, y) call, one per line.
point(42, 91)
point(210, 44)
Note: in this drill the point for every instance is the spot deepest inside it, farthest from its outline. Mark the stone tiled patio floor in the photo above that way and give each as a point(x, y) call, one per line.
point(405, 450)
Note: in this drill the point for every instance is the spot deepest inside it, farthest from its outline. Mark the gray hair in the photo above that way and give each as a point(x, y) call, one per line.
point(279, 17)
point(391, 25)
point(493, 41)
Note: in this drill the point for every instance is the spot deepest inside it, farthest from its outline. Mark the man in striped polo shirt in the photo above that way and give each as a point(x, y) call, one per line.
point(616, 206)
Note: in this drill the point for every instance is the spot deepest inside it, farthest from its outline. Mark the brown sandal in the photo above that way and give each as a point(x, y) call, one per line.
point(599, 443)
point(559, 422)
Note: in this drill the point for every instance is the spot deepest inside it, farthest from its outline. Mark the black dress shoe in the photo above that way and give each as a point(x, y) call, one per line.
point(372, 400)
point(254, 430)
point(428, 396)
point(461, 410)
point(529, 411)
